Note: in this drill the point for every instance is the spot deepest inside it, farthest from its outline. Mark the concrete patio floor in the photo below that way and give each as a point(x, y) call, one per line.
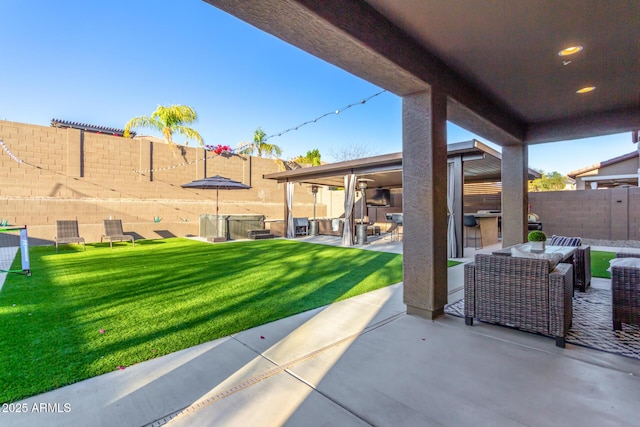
point(361, 361)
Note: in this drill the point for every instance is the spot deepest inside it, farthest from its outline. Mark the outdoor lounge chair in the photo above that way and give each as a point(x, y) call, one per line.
point(581, 259)
point(67, 232)
point(625, 293)
point(113, 232)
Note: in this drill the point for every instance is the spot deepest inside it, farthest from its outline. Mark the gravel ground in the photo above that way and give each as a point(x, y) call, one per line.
point(614, 243)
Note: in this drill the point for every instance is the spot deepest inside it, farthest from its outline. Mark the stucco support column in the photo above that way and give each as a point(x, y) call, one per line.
point(515, 196)
point(424, 202)
point(638, 144)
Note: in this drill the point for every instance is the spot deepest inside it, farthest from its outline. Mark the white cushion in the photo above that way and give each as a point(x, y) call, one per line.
point(554, 258)
point(624, 262)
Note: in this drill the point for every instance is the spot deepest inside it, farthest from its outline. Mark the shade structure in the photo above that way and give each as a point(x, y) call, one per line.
point(218, 183)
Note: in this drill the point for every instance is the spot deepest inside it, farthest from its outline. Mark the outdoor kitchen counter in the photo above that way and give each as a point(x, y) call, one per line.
point(488, 227)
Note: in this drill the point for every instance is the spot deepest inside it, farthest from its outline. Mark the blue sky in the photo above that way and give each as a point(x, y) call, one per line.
point(105, 62)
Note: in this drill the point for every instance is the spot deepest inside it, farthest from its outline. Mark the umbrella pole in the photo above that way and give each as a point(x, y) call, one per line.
point(217, 215)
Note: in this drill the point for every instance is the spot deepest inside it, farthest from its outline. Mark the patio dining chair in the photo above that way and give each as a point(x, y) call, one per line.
point(67, 232)
point(113, 232)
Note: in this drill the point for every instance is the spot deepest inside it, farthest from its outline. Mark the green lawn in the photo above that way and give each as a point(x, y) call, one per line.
point(160, 297)
point(600, 263)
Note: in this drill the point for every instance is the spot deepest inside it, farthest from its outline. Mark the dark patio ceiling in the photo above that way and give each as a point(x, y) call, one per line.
point(480, 164)
point(496, 60)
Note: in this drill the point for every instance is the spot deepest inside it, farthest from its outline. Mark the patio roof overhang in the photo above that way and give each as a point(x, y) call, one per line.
point(481, 164)
point(497, 62)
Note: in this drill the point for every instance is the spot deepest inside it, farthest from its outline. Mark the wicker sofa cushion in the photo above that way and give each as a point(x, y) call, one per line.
point(624, 262)
point(553, 258)
point(565, 241)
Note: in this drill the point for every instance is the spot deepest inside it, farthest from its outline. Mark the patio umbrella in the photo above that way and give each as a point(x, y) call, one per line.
point(219, 183)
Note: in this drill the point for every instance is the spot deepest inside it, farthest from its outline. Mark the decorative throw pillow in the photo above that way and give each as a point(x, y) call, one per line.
point(624, 262)
point(565, 241)
point(554, 258)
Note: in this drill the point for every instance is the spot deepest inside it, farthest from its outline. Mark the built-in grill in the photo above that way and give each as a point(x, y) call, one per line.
point(534, 222)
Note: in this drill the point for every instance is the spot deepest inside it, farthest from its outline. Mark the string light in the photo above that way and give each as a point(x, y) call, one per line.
point(336, 112)
point(315, 120)
point(166, 168)
point(5, 148)
point(96, 199)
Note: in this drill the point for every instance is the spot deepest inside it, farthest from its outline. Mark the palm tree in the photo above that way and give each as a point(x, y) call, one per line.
point(260, 146)
point(168, 120)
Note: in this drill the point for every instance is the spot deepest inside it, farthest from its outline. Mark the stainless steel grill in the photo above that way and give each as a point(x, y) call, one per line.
point(534, 222)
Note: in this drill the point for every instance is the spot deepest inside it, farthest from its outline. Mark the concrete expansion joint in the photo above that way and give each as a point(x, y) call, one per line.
point(277, 369)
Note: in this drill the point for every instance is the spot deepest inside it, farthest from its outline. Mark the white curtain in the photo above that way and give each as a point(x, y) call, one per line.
point(451, 225)
point(349, 199)
point(291, 230)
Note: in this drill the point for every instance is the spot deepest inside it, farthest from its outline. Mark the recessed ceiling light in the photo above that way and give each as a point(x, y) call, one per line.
point(570, 50)
point(586, 89)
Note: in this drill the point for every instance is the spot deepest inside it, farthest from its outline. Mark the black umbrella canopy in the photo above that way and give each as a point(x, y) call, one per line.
point(218, 183)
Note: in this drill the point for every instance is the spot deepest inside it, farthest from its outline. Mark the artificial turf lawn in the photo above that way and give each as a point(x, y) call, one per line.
point(159, 297)
point(600, 263)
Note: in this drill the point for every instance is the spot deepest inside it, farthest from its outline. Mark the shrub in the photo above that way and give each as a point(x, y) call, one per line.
point(537, 236)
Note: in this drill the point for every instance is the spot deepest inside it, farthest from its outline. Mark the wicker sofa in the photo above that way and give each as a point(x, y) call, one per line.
point(520, 293)
point(625, 293)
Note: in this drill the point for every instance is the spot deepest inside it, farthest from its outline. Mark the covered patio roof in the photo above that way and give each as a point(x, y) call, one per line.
point(497, 61)
point(481, 164)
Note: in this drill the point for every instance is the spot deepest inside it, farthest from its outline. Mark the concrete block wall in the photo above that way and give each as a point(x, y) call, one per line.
point(72, 174)
point(609, 214)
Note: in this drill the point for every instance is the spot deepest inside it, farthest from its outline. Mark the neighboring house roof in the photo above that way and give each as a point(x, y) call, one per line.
point(291, 165)
point(88, 128)
point(603, 164)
